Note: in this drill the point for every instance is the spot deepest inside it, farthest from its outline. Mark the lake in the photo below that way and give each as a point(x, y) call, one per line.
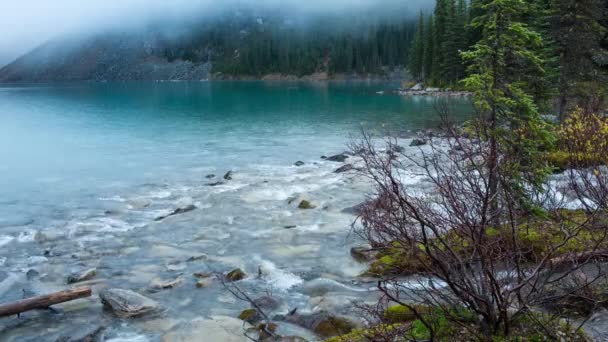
point(88, 169)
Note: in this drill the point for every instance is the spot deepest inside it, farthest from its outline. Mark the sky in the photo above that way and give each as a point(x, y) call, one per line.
point(25, 24)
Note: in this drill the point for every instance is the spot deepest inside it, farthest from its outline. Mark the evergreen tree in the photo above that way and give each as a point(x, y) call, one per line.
point(515, 130)
point(416, 62)
point(429, 50)
point(579, 30)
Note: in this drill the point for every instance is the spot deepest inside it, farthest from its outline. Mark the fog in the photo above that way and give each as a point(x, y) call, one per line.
point(25, 24)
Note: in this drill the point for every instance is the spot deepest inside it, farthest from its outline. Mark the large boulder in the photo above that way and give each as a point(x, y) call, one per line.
point(126, 303)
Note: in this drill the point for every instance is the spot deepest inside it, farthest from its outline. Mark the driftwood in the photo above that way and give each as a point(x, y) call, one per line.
point(43, 302)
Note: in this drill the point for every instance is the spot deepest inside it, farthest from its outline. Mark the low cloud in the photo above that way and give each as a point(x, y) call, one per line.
point(24, 24)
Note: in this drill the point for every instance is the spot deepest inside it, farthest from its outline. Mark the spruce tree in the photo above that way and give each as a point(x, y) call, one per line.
point(416, 61)
point(579, 29)
point(429, 51)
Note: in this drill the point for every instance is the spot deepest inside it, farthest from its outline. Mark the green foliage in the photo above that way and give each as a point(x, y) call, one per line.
point(250, 46)
point(508, 53)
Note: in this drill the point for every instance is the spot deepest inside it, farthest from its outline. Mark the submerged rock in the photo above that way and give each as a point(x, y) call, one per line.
point(203, 283)
point(235, 275)
point(345, 168)
point(267, 303)
point(198, 258)
point(339, 158)
point(83, 333)
point(228, 175)
point(304, 204)
point(126, 303)
point(85, 275)
point(355, 210)
point(218, 328)
point(177, 211)
point(363, 254)
point(417, 142)
point(160, 284)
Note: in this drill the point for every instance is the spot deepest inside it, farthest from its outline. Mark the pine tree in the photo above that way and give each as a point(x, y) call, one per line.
point(579, 29)
point(416, 61)
point(429, 51)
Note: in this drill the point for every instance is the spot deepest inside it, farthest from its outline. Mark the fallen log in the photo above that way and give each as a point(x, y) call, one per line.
point(43, 302)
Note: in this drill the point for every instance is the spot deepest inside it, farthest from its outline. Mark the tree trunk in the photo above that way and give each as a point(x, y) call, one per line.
point(43, 302)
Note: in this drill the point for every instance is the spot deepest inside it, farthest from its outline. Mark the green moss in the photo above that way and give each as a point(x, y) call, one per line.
point(562, 160)
point(249, 315)
point(306, 205)
point(402, 313)
point(235, 275)
point(333, 326)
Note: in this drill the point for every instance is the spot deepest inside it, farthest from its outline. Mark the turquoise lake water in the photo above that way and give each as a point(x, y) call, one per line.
point(86, 168)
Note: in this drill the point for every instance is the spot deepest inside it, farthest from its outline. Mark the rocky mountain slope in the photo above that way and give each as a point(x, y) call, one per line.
point(107, 57)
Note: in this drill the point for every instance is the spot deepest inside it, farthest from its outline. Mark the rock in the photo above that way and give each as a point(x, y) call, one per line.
point(322, 323)
point(363, 254)
point(345, 168)
point(228, 175)
point(291, 339)
point(267, 332)
point(299, 163)
point(32, 274)
point(197, 258)
point(355, 210)
point(210, 176)
point(417, 142)
point(417, 87)
point(305, 205)
point(597, 326)
point(177, 211)
point(160, 284)
point(339, 158)
point(126, 303)
point(202, 275)
point(86, 333)
point(218, 328)
point(250, 316)
point(85, 275)
point(394, 149)
point(235, 275)
point(203, 283)
point(267, 303)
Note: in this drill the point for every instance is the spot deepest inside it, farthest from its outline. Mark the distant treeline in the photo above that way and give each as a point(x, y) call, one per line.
point(258, 46)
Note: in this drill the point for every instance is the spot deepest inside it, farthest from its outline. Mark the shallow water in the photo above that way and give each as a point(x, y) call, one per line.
point(87, 168)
